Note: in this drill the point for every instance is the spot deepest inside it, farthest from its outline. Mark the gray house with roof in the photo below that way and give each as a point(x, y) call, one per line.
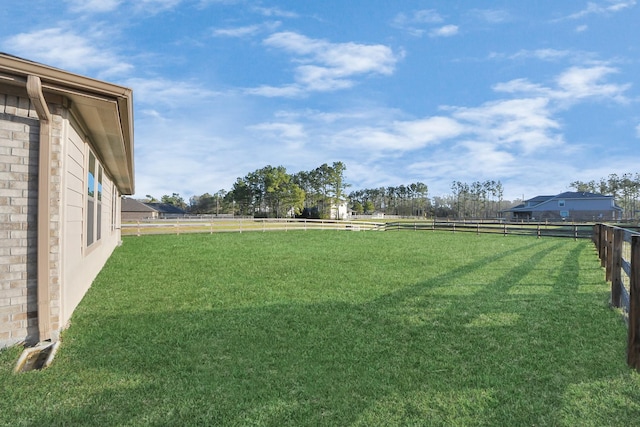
point(135, 210)
point(567, 206)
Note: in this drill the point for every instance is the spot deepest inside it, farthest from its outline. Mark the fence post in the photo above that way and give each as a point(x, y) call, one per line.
point(538, 230)
point(138, 228)
point(602, 251)
point(633, 346)
point(505, 230)
point(616, 274)
point(609, 249)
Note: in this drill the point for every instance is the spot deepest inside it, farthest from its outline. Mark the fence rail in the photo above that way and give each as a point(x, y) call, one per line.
point(242, 224)
point(239, 225)
point(619, 252)
point(547, 229)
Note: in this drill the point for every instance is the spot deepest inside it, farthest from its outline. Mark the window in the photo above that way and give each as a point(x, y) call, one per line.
point(564, 214)
point(99, 208)
point(561, 203)
point(91, 203)
point(94, 200)
point(114, 207)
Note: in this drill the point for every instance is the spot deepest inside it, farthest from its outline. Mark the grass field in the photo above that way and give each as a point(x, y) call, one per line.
point(338, 329)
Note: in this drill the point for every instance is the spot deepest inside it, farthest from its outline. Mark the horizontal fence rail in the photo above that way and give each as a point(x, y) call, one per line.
point(619, 252)
point(239, 225)
point(561, 229)
point(242, 224)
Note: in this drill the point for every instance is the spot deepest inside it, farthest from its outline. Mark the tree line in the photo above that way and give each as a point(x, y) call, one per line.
point(404, 200)
point(273, 192)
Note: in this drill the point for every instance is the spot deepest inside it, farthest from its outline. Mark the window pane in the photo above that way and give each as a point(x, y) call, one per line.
point(100, 183)
point(91, 176)
point(90, 209)
point(91, 188)
point(99, 207)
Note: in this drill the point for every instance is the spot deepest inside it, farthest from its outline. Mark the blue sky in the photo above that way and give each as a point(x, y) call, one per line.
point(534, 93)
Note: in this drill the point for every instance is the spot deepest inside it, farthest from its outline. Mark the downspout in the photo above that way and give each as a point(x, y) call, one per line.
point(34, 89)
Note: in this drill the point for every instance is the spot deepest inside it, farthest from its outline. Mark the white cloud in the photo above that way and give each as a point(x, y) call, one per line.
point(290, 131)
point(246, 31)
point(93, 6)
point(274, 11)
point(155, 6)
point(586, 82)
point(482, 157)
point(445, 31)
point(544, 54)
point(237, 31)
point(638, 131)
point(66, 49)
point(526, 123)
point(523, 86)
point(287, 91)
point(425, 16)
point(326, 66)
point(414, 22)
point(572, 85)
point(611, 6)
point(167, 92)
point(492, 16)
point(402, 135)
point(581, 28)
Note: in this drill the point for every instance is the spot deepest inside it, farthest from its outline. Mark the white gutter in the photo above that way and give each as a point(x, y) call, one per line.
point(34, 89)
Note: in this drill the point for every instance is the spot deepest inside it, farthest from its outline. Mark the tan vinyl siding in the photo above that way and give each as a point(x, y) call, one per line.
point(82, 263)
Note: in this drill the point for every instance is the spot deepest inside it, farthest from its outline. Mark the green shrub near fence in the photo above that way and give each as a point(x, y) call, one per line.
point(337, 328)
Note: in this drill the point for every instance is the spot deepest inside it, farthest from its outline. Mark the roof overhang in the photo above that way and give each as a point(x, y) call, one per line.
point(105, 110)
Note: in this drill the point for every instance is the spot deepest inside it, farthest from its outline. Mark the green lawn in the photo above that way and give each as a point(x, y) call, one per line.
point(337, 328)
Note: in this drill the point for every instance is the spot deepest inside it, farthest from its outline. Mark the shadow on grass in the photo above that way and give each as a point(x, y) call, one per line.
point(472, 346)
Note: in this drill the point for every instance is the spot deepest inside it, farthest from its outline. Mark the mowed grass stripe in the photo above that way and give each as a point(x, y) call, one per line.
point(337, 328)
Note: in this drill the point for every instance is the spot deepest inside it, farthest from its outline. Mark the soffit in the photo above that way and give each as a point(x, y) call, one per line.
point(105, 109)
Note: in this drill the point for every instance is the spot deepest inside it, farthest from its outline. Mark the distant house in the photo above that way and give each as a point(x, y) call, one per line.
point(568, 206)
point(167, 211)
point(340, 210)
point(135, 210)
point(66, 157)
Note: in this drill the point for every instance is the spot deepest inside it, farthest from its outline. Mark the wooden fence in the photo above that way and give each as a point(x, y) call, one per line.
point(544, 229)
point(619, 252)
point(239, 225)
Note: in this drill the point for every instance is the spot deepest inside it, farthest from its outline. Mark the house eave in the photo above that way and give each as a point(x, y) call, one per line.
point(105, 109)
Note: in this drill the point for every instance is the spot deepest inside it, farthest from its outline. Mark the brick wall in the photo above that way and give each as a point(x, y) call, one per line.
point(19, 139)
